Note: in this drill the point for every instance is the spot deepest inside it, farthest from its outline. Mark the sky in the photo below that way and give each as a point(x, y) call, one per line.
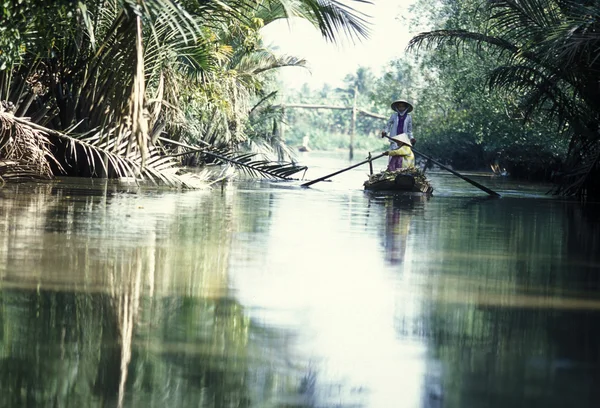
point(330, 63)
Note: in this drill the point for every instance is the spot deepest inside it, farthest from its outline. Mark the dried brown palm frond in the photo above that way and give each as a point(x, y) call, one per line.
point(24, 151)
point(104, 157)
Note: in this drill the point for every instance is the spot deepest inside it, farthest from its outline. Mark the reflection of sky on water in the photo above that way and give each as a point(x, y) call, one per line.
point(324, 278)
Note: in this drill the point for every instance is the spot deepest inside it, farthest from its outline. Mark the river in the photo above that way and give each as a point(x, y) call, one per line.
point(267, 294)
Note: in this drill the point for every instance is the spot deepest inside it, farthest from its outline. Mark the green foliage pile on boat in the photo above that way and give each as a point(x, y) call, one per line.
point(406, 179)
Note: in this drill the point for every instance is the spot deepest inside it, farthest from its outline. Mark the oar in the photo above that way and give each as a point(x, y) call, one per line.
point(343, 170)
point(468, 180)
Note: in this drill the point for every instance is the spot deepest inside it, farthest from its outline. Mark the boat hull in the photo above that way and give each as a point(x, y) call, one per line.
point(401, 182)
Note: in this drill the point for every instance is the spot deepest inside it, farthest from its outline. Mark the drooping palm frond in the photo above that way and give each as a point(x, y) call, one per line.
point(248, 163)
point(580, 179)
point(519, 51)
point(331, 17)
point(544, 92)
point(252, 165)
point(24, 150)
point(264, 60)
point(104, 157)
point(441, 38)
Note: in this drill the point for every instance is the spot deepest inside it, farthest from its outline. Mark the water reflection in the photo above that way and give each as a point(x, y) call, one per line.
point(399, 210)
point(259, 295)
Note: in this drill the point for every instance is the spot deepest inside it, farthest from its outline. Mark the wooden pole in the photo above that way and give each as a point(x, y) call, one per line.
point(333, 107)
point(282, 124)
point(370, 164)
point(343, 170)
point(353, 124)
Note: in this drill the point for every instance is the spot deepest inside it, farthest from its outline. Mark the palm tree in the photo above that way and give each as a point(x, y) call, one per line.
point(546, 52)
point(111, 77)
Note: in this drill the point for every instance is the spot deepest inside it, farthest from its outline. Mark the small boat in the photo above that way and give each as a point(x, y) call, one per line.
point(411, 180)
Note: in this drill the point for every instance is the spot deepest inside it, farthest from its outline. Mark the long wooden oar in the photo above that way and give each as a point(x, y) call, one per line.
point(343, 170)
point(468, 180)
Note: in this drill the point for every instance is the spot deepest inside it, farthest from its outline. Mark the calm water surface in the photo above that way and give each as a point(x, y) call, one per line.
point(266, 294)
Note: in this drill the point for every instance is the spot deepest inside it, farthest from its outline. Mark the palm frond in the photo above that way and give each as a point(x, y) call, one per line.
point(264, 60)
point(28, 147)
point(262, 101)
point(582, 178)
point(108, 157)
point(332, 17)
point(248, 163)
point(272, 146)
point(442, 38)
point(252, 165)
point(172, 13)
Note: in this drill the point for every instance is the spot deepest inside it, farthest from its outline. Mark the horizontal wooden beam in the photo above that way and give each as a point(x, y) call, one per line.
point(309, 106)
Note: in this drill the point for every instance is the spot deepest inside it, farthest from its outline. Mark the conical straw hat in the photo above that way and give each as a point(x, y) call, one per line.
point(401, 139)
point(409, 106)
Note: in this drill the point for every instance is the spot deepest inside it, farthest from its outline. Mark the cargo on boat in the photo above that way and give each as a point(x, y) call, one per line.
point(410, 180)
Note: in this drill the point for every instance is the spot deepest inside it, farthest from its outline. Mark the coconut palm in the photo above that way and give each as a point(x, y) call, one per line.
point(123, 73)
point(546, 52)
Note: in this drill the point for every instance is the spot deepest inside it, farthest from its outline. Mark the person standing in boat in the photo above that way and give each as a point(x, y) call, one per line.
point(400, 122)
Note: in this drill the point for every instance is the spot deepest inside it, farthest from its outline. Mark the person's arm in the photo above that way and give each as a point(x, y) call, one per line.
point(404, 150)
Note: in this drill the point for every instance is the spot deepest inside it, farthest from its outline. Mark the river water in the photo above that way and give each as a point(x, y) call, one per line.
point(266, 294)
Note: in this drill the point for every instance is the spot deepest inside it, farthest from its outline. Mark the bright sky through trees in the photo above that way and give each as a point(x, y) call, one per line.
point(332, 62)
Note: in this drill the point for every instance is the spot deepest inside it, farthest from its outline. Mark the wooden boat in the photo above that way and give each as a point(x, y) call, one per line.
point(411, 180)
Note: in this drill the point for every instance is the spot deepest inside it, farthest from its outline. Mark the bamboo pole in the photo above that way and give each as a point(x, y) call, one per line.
point(282, 124)
point(343, 170)
point(353, 125)
point(310, 106)
point(335, 107)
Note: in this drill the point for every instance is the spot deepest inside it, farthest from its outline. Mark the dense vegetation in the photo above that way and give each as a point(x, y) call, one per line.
point(136, 88)
point(508, 83)
point(131, 88)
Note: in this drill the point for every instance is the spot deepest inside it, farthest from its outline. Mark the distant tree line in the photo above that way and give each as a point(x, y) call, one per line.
point(510, 84)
